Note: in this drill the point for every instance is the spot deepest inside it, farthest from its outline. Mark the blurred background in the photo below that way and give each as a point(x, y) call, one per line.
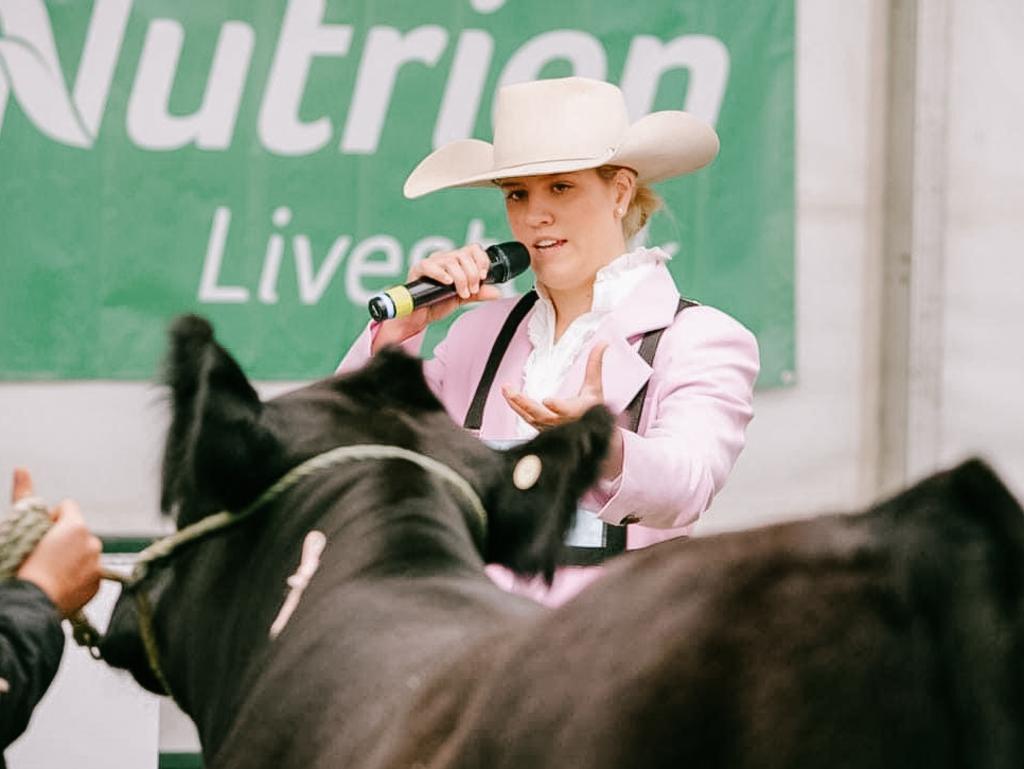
point(244, 160)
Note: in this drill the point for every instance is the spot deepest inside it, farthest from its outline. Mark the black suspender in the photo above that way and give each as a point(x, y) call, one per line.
point(475, 414)
point(614, 536)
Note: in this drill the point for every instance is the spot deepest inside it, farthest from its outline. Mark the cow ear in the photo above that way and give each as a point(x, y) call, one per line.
point(535, 501)
point(392, 378)
point(216, 449)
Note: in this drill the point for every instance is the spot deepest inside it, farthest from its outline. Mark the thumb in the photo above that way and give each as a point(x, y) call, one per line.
point(595, 366)
point(486, 293)
point(21, 487)
point(67, 512)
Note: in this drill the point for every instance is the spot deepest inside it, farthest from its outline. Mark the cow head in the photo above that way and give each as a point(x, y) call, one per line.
point(225, 447)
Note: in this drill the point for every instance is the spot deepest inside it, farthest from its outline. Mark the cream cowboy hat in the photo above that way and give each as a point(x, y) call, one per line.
point(568, 124)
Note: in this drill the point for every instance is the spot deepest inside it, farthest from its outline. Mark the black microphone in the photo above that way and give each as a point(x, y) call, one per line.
point(507, 261)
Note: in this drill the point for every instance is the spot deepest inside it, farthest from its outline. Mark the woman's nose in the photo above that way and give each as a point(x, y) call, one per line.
point(539, 213)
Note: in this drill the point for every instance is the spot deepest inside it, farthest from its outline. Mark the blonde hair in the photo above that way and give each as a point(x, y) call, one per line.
point(642, 206)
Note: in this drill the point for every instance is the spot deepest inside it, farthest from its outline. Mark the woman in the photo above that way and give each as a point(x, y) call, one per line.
point(575, 173)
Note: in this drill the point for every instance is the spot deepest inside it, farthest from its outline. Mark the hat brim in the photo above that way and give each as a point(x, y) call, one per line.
point(659, 146)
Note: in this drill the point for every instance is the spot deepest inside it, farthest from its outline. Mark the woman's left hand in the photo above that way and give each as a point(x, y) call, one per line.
point(555, 411)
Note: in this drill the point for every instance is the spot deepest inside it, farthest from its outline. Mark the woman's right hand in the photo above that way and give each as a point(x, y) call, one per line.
point(464, 268)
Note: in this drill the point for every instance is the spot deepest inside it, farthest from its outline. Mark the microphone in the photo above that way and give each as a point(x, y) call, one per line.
point(507, 261)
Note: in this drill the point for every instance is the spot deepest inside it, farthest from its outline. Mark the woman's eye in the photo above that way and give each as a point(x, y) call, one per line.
point(515, 195)
point(561, 187)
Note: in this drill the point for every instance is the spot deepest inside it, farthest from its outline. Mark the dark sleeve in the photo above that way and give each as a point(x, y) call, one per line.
point(31, 644)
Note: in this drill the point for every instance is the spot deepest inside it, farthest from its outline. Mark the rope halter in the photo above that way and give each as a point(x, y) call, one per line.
point(216, 523)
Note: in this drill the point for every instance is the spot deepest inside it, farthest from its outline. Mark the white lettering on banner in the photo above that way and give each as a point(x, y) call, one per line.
point(30, 67)
point(486, 6)
point(150, 124)
point(431, 244)
point(385, 52)
point(360, 265)
point(102, 48)
point(31, 70)
point(267, 291)
point(313, 283)
point(582, 50)
point(209, 291)
point(363, 262)
point(475, 234)
point(303, 36)
point(705, 58)
point(464, 88)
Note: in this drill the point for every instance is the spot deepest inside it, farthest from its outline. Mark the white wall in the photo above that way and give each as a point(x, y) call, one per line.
point(983, 366)
point(96, 441)
point(813, 447)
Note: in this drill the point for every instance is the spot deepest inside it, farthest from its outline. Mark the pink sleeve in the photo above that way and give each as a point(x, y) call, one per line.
point(700, 400)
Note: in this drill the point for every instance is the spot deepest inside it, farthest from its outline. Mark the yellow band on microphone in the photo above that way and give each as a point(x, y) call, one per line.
point(403, 300)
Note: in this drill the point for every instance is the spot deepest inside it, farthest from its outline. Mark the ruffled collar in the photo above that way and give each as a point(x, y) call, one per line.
point(614, 281)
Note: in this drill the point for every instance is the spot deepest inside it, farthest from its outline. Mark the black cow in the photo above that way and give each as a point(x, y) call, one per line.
point(887, 639)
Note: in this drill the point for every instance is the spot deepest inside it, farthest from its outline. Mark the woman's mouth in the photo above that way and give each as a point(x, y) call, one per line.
point(547, 245)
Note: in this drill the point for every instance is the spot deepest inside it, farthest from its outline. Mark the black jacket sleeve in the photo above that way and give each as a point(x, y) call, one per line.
point(31, 644)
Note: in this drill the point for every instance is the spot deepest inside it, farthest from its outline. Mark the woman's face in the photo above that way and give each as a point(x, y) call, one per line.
point(569, 222)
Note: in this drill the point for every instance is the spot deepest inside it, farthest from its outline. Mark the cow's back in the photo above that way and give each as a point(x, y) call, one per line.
point(848, 641)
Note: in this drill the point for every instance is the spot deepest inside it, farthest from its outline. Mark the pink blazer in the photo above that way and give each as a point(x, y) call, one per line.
point(698, 404)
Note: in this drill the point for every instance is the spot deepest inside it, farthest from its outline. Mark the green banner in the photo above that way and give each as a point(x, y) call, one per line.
point(244, 159)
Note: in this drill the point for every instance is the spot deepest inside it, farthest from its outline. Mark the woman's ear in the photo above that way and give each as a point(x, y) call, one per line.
point(624, 184)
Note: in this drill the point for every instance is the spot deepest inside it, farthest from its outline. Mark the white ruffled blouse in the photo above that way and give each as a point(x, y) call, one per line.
point(550, 361)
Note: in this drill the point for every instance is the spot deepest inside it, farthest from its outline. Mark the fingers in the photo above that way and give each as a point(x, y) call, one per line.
point(464, 268)
point(595, 365)
point(591, 392)
point(442, 309)
point(535, 414)
point(480, 259)
point(68, 513)
point(474, 274)
point(487, 293)
point(65, 563)
point(21, 486)
point(556, 411)
point(567, 409)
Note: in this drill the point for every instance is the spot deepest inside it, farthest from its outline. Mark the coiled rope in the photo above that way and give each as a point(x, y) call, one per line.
point(20, 532)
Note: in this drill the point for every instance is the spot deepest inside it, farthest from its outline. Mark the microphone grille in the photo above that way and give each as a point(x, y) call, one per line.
point(507, 261)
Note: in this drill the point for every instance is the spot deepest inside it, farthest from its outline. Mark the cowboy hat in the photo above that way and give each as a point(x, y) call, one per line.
point(567, 124)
